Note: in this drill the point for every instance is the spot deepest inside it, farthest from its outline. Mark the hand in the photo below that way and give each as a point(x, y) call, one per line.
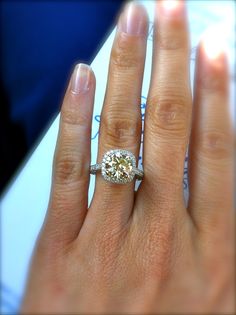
point(144, 252)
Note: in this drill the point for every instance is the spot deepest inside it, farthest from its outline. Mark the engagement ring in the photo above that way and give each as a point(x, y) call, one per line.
point(118, 166)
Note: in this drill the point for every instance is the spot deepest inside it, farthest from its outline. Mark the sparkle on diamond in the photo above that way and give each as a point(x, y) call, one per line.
point(118, 166)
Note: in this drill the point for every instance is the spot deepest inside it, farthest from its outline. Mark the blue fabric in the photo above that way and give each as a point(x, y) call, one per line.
point(41, 41)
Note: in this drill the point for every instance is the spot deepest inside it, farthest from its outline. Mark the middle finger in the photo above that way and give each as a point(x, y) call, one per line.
point(168, 113)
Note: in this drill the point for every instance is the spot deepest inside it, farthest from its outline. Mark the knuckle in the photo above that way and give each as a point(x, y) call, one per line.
point(213, 81)
point(120, 130)
point(168, 115)
point(210, 83)
point(73, 117)
point(125, 54)
point(69, 169)
point(216, 144)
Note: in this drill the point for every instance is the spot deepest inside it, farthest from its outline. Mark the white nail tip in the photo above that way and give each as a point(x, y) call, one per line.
point(170, 4)
point(213, 42)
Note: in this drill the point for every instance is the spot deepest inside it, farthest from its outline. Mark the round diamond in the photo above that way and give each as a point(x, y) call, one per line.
point(118, 166)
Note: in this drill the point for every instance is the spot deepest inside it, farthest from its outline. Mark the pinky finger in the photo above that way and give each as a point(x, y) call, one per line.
point(69, 195)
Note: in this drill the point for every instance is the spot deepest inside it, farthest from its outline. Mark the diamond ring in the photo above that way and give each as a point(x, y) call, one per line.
point(118, 166)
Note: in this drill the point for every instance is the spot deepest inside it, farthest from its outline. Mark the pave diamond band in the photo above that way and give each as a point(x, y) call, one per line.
point(118, 166)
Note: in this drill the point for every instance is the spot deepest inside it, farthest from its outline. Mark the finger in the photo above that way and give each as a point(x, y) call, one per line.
point(69, 196)
point(121, 116)
point(211, 149)
point(168, 111)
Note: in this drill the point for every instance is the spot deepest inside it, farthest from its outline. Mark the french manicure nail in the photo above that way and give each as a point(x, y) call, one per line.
point(172, 7)
point(213, 43)
point(80, 79)
point(134, 20)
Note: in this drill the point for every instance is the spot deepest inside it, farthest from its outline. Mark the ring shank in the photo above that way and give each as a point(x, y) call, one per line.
point(95, 167)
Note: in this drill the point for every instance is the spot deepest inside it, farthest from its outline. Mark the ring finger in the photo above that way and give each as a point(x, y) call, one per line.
point(121, 116)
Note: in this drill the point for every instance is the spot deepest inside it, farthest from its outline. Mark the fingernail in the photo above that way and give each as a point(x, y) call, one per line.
point(172, 7)
point(213, 43)
point(134, 20)
point(80, 79)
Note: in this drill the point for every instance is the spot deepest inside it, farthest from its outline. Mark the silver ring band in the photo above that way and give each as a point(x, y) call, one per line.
point(118, 166)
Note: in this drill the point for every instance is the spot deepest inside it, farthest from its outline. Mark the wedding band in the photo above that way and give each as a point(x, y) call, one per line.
point(118, 166)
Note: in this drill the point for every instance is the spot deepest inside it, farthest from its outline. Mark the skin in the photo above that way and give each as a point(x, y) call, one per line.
point(144, 252)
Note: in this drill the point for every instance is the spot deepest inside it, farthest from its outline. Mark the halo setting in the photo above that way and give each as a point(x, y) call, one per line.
point(118, 166)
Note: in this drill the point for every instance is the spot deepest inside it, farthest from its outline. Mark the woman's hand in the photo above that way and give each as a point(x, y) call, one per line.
point(144, 252)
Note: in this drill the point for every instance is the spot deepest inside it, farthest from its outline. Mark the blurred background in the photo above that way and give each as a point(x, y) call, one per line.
point(40, 43)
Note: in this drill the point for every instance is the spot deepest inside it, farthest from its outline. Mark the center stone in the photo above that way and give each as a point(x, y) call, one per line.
point(118, 166)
